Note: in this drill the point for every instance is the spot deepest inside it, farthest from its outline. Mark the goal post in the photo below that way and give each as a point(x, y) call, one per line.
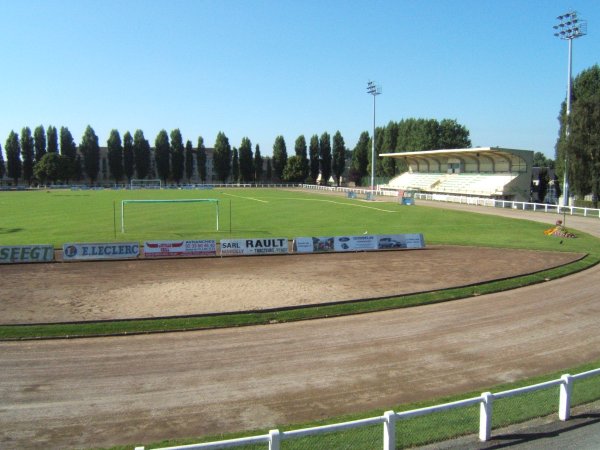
point(189, 200)
point(145, 184)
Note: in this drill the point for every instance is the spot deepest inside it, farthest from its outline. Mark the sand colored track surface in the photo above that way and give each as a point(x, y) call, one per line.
point(61, 292)
point(139, 389)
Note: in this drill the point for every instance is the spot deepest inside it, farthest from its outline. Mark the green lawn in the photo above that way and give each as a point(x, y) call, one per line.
point(56, 217)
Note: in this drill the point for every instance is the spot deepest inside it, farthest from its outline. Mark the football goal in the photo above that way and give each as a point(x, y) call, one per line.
point(146, 184)
point(191, 200)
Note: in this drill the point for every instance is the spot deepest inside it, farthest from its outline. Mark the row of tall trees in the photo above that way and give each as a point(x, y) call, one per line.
point(321, 158)
point(578, 145)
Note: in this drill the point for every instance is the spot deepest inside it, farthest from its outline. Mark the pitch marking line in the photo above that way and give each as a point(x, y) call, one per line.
point(246, 198)
point(341, 203)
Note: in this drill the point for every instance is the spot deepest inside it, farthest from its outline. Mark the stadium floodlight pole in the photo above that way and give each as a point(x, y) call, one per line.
point(374, 90)
point(569, 27)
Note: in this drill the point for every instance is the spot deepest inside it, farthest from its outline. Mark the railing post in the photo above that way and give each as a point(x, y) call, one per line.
point(274, 440)
point(564, 406)
point(389, 431)
point(485, 416)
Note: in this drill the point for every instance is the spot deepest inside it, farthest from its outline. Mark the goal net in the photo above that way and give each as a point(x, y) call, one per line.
point(158, 216)
point(146, 184)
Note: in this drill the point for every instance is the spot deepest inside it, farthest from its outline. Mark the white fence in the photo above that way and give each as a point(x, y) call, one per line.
point(466, 200)
point(390, 418)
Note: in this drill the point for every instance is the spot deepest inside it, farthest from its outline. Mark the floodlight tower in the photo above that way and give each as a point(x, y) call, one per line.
point(569, 27)
point(374, 90)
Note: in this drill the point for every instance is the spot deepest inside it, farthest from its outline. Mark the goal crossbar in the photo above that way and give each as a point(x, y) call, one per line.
point(180, 200)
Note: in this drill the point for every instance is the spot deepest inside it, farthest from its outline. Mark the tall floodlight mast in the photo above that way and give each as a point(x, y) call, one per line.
point(569, 27)
point(374, 90)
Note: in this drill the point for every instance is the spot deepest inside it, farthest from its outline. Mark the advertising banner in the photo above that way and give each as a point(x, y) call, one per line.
point(253, 246)
point(187, 248)
point(355, 243)
point(395, 241)
point(303, 245)
point(113, 250)
point(26, 254)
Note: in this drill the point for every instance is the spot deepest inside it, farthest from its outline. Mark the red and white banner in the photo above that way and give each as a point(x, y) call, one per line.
point(186, 248)
point(253, 246)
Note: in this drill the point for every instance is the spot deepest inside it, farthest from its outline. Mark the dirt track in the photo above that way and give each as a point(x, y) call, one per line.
point(100, 392)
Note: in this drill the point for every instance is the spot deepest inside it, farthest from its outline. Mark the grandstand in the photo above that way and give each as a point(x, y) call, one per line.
point(491, 172)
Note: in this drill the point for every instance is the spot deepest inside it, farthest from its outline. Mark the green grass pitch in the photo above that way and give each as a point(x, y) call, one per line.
point(59, 216)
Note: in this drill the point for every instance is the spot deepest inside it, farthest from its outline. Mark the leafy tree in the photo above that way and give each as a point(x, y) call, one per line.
point(27, 153)
point(325, 157)
point(453, 135)
point(279, 157)
point(115, 155)
point(246, 163)
point(301, 152)
point(235, 167)
point(360, 157)
point(48, 169)
point(584, 145)
point(13, 157)
point(141, 154)
point(68, 151)
point(128, 157)
point(39, 142)
point(314, 158)
point(222, 157)
point(52, 139)
point(189, 160)
point(201, 159)
point(390, 138)
point(577, 147)
point(177, 155)
point(258, 164)
point(91, 153)
point(269, 174)
point(293, 171)
point(339, 156)
point(78, 168)
point(2, 166)
point(162, 155)
point(540, 160)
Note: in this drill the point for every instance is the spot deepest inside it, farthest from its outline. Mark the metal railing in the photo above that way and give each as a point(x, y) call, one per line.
point(390, 419)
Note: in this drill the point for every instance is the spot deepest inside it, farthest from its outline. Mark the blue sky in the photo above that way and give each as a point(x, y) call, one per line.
point(266, 68)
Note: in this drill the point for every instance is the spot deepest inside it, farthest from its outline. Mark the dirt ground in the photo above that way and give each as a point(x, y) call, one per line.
point(61, 292)
point(100, 392)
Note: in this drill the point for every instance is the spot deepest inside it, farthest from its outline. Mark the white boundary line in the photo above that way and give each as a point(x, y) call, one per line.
point(340, 203)
point(245, 198)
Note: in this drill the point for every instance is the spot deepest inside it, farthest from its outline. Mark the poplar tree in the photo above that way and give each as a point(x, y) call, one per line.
point(279, 157)
point(246, 162)
point(201, 159)
point(258, 164)
point(52, 139)
point(325, 157)
point(177, 155)
point(235, 166)
point(39, 142)
point(301, 152)
point(68, 152)
point(128, 156)
point(339, 156)
point(162, 155)
point(27, 154)
point(115, 155)
point(141, 154)
point(91, 153)
point(189, 160)
point(13, 157)
point(222, 157)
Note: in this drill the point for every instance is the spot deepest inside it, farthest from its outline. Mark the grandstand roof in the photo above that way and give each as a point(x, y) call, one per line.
point(493, 152)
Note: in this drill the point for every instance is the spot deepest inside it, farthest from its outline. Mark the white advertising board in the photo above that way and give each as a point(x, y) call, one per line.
point(112, 250)
point(263, 246)
point(26, 254)
point(186, 248)
point(355, 243)
point(395, 241)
